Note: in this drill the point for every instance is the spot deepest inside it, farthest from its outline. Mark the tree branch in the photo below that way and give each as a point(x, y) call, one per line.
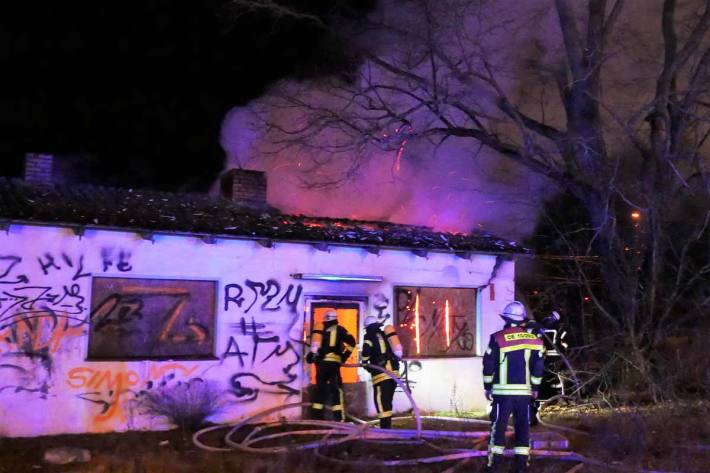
point(572, 40)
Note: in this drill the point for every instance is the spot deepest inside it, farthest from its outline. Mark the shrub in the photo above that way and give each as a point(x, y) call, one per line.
point(185, 404)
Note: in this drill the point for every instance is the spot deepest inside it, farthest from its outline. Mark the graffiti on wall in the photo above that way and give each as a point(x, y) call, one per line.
point(116, 258)
point(42, 308)
point(380, 303)
point(270, 294)
point(50, 262)
point(151, 318)
point(110, 388)
point(266, 338)
point(38, 314)
point(46, 304)
point(408, 374)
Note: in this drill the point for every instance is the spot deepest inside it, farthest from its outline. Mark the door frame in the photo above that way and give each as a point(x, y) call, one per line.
point(309, 300)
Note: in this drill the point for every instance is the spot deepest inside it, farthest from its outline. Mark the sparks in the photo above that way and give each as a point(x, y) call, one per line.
point(416, 324)
point(400, 152)
point(448, 333)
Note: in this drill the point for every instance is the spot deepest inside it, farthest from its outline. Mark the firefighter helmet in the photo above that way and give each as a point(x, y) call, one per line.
point(370, 319)
point(515, 312)
point(330, 315)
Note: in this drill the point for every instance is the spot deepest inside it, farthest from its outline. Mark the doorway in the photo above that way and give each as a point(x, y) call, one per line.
point(349, 310)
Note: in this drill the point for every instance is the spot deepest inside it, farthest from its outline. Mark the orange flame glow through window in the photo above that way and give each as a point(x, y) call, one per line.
point(448, 329)
point(416, 324)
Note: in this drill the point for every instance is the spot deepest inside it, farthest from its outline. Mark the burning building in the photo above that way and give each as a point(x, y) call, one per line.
point(107, 294)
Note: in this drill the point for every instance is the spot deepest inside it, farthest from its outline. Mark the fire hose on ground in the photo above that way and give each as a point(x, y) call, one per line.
point(334, 433)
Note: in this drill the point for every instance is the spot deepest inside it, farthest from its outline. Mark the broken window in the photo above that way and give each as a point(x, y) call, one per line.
point(151, 318)
point(436, 321)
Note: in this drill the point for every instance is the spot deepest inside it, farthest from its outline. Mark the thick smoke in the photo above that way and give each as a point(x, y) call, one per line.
point(455, 185)
point(452, 188)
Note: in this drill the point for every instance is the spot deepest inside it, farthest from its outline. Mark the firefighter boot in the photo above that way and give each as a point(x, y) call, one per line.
point(494, 464)
point(521, 464)
point(386, 423)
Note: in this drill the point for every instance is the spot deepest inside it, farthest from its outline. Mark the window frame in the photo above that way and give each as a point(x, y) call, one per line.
point(137, 358)
point(476, 330)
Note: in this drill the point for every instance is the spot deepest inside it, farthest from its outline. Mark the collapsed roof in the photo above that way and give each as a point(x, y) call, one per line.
point(84, 205)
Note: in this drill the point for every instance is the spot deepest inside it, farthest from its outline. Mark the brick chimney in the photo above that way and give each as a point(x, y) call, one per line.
point(39, 168)
point(244, 187)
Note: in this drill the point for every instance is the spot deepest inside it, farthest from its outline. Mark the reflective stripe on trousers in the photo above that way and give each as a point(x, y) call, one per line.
point(503, 407)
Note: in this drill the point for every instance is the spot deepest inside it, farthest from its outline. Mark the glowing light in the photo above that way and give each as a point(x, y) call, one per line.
point(635, 215)
point(448, 332)
point(337, 277)
point(416, 324)
point(314, 224)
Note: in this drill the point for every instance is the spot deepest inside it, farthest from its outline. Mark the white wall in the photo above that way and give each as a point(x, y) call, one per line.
point(61, 392)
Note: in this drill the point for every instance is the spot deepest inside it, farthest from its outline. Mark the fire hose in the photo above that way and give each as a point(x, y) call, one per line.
point(334, 433)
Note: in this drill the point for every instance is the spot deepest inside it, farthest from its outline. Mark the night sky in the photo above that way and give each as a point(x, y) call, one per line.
point(143, 86)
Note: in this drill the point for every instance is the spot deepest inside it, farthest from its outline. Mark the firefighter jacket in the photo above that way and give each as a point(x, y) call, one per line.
point(514, 362)
point(337, 344)
point(551, 334)
point(376, 350)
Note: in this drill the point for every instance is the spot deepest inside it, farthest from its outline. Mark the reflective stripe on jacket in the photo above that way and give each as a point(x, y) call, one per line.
point(376, 350)
point(513, 363)
point(337, 344)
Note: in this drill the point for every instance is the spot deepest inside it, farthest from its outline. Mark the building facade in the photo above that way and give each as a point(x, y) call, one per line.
point(95, 315)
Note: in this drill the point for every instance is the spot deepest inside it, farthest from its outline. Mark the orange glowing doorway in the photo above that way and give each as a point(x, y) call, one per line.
point(348, 317)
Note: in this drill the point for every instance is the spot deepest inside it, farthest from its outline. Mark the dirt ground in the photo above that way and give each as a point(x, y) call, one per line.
point(662, 438)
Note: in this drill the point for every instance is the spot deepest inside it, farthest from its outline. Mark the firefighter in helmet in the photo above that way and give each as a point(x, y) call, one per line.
point(553, 337)
point(331, 345)
point(383, 349)
point(513, 366)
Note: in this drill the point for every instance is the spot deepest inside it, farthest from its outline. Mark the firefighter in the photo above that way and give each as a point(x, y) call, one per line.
point(331, 345)
point(383, 349)
point(554, 340)
point(512, 371)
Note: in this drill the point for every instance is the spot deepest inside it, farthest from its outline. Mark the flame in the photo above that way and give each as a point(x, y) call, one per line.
point(416, 324)
point(448, 332)
point(314, 224)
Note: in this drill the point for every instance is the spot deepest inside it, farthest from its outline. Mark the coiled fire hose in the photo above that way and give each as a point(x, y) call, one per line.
point(340, 432)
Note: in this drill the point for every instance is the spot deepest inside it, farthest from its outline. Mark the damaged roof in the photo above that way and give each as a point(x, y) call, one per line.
point(84, 205)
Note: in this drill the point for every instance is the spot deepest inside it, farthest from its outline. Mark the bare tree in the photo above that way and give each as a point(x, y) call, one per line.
point(481, 72)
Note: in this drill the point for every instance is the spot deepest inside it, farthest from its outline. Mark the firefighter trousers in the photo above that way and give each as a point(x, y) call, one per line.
point(501, 410)
point(383, 394)
point(329, 385)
